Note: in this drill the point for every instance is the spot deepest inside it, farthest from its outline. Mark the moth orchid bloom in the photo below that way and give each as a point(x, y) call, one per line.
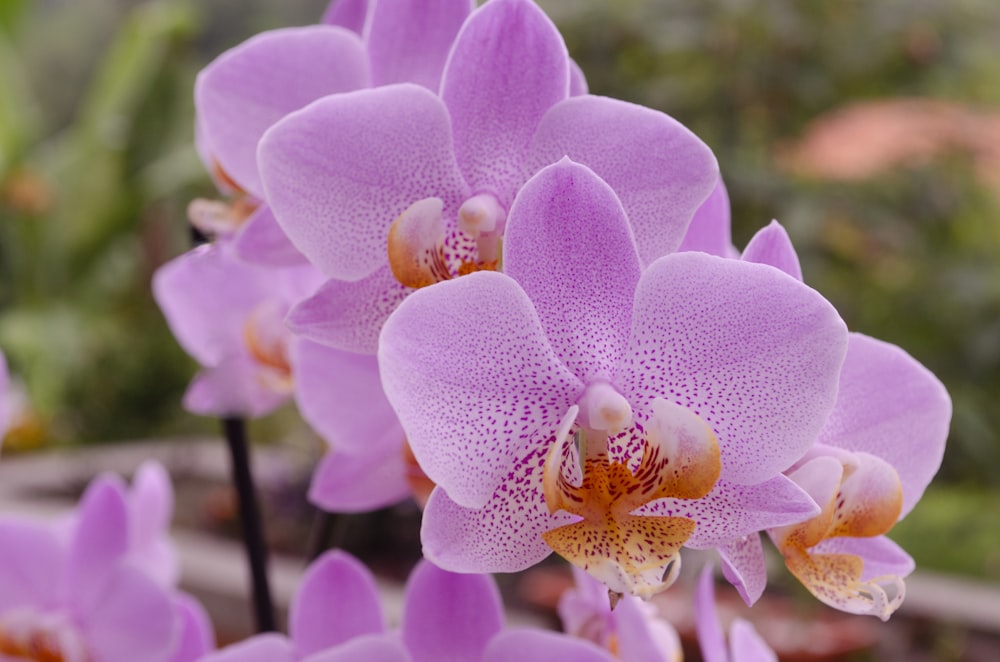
point(336, 616)
point(745, 645)
point(578, 404)
point(870, 464)
point(79, 598)
point(250, 87)
point(631, 632)
point(395, 188)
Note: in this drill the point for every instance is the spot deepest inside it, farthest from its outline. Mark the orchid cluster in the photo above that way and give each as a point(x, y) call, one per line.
point(519, 304)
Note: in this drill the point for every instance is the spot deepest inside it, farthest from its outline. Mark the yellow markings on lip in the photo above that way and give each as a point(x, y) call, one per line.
point(416, 245)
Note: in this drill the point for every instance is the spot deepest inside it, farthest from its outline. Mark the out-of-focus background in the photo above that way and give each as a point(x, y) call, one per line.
point(870, 130)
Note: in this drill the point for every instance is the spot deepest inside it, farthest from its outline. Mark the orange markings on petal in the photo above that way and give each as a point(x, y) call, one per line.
point(870, 499)
point(416, 245)
point(835, 579)
point(266, 342)
point(420, 485)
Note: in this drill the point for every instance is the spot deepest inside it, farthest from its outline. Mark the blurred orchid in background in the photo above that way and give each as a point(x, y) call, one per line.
point(745, 645)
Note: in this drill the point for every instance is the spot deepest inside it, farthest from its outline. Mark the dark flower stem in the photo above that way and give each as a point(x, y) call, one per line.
point(250, 522)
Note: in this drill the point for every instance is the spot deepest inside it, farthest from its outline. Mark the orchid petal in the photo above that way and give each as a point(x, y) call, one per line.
point(744, 567)
point(468, 369)
point(408, 42)
point(150, 507)
point(262, 241)
point(349, 315)
point(369, 647)
point(577, 80)
point(349, 14)
point(337, 601)
point(250, 87)
point(99, 540)
point(711, 638)
point(542, 646)
point(881, 555)
point(28, 554)
point(339, 171)
point(659, 169)
point(771, 245)
point(449, 616)
point(362, 482)
point(269, 647)
point(747, 645)
point(709, 231)
point(508, 66)
point(751, 351)
point(891, 406)
point(569, 246)
point(238, 386)
point(196, 638)
point(732, 511)
point(644, 637)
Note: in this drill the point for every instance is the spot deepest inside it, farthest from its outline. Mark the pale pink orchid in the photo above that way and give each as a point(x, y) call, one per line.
point(251, 86)
point(745, 644)
point(336, 616)
point(395, 188)
point(79, 597)
point(871, 462)
point(580, 404)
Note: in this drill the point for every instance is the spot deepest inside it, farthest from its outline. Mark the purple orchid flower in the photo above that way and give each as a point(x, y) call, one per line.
point(447, 168)
point(80, 598)
point(745, 645)
point(871, 462)
point(632, 631)
point(687, 388)
point(336, 616)
point(247, 89)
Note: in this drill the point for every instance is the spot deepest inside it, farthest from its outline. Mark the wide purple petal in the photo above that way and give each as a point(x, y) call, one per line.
point(659, 169)
point(99, 541)
point(349, 315)
point(569, 246)
point(369, 648)
point(250, 87)
point(449, 616)
point(711, 638)
point(196, 637)
point(731, 511)
point(751, 351)
point(270, 647)
point(262, 241)
point(891, 406)
point(207, 296)
point(31, 560)
point(338, 172)
point(542, 646)
point(744, 567)
point(134, 619)
point(709, 231)
point(337, 601)
point(346, 13)
point(577, 79)
point(508, 66)
point(408, 41)
point(881, 555)
point(238, 386)
point(771, 245)
point(361, 482)
point(467, 366)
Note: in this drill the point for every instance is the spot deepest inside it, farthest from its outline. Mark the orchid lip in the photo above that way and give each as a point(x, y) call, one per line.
point(416, 244)
point(30, 635)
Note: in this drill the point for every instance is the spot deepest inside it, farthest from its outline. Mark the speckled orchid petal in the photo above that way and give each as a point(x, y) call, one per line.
point(271, 647)
point(207, 296)
point(891, 406)
point(449, 616)
point(508, 66)
point(338, 172)
point(505, 535)
point(744, 567)
point(569, 246)
point(659, 169)
point(250, 87)
point(409, 41)
point(466, 365)
point(709, 231)
point(262, 241)
point(349, 14)
point(99, 540)
point(759, 506)
point(238, 386)
point(28, 554)
point(370, 648)
point(754, 353)
point(349, 315)
point(771, 245)
point(880, 554)
point(542, 646)
point(361, 482)
point(337, 601)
